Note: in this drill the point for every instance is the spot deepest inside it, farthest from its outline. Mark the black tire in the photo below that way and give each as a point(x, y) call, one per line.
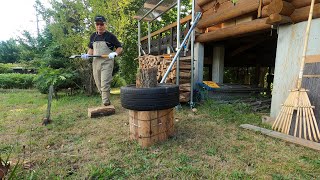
point(164, 96)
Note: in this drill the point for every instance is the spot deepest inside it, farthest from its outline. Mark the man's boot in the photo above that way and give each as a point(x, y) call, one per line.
point(105, 95)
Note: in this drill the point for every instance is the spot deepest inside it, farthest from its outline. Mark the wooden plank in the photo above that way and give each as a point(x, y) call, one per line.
point(285, 137)
point(311, 76)
point(182, 21)
point(312, 59)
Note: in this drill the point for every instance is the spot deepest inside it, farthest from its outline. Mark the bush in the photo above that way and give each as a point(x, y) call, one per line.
point(59, 78)
point(5, 68)
point(13, 80)
point(117, 81)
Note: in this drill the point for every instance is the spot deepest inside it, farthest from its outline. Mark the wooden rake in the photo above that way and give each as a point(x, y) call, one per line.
point(297, 106)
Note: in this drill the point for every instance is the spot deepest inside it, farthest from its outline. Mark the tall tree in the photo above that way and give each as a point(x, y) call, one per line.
point(9, 51)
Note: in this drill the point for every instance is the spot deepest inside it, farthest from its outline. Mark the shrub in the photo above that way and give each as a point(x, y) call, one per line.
point(4, 68)
point(59, 78)
point(117, 81)
point(14, 80)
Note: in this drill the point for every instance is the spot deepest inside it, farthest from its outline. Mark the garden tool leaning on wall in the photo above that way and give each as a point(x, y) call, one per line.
point(297, 106)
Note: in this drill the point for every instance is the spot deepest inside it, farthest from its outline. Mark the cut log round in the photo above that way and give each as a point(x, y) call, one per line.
point(147, 78)
point(280, 7)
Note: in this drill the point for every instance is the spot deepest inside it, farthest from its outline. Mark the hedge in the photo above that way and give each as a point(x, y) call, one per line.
point(14, 80)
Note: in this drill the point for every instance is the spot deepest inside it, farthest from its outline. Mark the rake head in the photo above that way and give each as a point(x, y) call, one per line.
point(297, 117)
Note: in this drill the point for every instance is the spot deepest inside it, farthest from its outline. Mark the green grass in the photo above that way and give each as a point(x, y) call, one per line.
point(208, 144)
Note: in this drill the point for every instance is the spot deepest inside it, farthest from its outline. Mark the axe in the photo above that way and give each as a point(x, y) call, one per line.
point(90, 56)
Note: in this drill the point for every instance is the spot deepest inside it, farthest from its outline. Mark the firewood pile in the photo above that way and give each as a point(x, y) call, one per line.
point(163, 63)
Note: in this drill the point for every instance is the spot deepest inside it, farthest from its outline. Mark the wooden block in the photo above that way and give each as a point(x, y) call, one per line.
point(101, 111)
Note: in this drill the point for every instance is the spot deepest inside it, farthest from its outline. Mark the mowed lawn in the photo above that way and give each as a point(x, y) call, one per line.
point(208, 144)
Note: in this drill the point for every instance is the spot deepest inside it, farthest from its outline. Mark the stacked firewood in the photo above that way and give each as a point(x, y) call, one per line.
point(149, 61)
point(163, 63)
point(185, 90)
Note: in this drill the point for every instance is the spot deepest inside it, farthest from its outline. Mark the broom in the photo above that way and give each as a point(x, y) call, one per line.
point(298, 105)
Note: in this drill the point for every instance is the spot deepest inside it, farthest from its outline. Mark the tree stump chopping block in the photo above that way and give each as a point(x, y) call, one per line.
point(101, 111)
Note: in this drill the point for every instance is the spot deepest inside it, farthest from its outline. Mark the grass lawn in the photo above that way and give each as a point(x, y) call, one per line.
point(207, 145)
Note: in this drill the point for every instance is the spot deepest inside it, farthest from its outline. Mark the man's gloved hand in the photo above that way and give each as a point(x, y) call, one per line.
point(113, 55)
point(85, 56)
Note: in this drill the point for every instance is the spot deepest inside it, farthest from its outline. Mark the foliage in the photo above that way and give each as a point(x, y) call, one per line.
point(5, 68)
point(117, 81)
point(68, 27)
point(14, 80)
point(59, 78)
point(9, 51)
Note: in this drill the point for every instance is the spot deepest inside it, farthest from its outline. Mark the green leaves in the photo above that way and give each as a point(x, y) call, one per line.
point(9, 51)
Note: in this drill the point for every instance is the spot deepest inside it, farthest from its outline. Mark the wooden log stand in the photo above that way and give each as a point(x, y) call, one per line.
point(149, 127)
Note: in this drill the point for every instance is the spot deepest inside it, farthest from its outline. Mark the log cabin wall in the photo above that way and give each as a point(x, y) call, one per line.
point(223, 19)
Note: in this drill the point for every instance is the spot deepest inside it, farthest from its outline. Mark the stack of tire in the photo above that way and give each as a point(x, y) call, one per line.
point(164, 96)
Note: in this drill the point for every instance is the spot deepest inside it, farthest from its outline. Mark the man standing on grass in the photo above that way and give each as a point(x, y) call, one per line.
point(103, 42)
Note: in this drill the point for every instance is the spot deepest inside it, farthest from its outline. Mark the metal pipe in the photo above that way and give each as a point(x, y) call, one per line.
point(181, 46)
point(139, 41)
point(192, 56)
point(149, 38)
point(164, 11)
point(157, 5)
point(178, 42)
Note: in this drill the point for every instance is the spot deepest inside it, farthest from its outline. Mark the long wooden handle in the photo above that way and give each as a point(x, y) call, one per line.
point(305, 45)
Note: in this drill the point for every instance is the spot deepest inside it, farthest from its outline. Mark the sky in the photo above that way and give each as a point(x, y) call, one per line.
point(16, 16)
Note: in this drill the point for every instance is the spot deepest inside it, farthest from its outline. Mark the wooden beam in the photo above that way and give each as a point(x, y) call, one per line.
point(233, 31)
point(182, 21)
point(276, 19)
point(229, 11)
point(312, 59)
point(302, 3)
point(285, 137)
point(203, 2)
point(280, 7)
point(301, 14)
point(150, 6)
